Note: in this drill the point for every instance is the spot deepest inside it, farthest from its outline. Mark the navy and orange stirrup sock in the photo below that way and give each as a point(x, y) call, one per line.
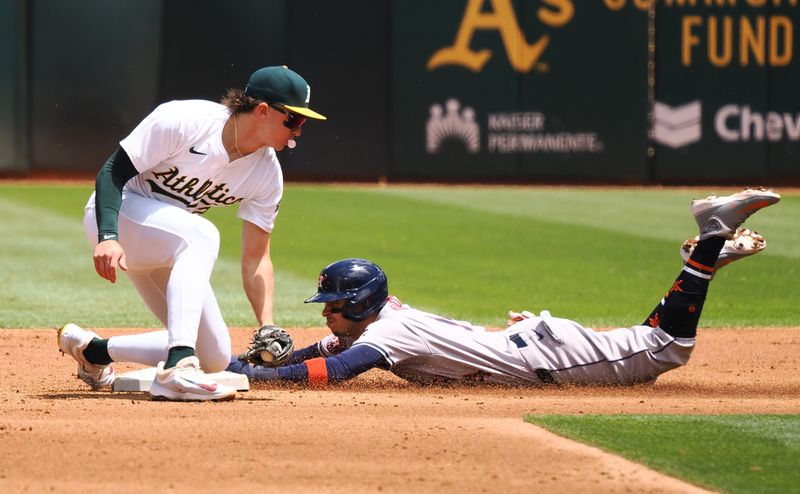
point(679, 310)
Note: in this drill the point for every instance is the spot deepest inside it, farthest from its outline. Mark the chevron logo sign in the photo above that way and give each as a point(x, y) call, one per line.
point(679, 126)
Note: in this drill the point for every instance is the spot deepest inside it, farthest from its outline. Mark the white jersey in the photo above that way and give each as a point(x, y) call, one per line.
point(181, 160)
point(424, 347)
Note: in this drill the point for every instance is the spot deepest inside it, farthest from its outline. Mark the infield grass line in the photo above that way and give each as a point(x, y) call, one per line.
point(730, 453)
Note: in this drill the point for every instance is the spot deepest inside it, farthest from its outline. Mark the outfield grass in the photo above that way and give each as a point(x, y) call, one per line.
point(729, 453)
point(602, 257)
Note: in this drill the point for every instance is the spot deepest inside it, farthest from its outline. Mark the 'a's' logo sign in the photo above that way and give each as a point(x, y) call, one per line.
point(502, 18)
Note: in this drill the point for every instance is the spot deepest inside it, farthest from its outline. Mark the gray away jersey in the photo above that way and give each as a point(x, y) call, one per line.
point(424, 347)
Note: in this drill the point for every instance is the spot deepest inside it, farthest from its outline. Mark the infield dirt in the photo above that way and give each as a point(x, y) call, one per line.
point(373, 434)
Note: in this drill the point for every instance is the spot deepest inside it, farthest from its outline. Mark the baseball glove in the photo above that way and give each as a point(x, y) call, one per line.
point(271, 346)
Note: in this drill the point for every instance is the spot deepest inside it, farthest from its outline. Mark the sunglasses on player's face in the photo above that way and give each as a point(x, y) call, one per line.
point(294, 122)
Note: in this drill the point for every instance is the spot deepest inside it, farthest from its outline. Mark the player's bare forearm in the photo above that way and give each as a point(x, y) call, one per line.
point(259, 286)
point(257, 272)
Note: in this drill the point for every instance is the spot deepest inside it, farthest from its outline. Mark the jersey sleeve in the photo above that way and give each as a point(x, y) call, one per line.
point(155, 139)
point(333, 345)
point(393, 340)
point(262, 209)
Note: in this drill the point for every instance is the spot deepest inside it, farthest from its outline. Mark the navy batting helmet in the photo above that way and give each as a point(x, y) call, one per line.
point(362, 283)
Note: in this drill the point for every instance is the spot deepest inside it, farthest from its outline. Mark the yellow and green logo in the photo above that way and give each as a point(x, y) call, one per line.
point(522, 56)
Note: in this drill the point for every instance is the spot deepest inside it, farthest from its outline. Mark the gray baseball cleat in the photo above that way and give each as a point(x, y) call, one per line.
point(744, 243)
point(74, 340)
point(721, 216)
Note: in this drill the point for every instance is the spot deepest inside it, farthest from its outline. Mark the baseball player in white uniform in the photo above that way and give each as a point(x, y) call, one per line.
point(371, 329)
point(145, 218)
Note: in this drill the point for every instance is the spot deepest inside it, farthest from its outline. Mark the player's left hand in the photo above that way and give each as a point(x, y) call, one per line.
point(109, 254)
point(271, 346)
point(515, 317)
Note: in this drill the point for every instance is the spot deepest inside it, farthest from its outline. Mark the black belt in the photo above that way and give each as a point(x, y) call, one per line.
point(543, 374)
point(517, 340)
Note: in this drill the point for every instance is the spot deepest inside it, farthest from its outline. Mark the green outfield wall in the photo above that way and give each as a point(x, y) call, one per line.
point(13, 129)
point(622, 91)
point(94, 70)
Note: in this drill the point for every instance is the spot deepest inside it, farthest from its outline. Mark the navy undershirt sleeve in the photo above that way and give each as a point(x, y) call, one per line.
point(111, 178)
point(309, 352)
point(352, 362)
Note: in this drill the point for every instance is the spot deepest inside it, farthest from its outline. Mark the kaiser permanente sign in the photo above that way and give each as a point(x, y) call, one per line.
point(525, 132)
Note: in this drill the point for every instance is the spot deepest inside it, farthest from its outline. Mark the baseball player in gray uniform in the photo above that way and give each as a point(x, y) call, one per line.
point(372, 329)
point(145, 218)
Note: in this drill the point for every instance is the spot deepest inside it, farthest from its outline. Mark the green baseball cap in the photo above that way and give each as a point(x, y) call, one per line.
point(281, 86)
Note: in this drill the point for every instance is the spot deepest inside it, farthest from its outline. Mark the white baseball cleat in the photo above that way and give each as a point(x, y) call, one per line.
point(744, 243)
point(187, 382)
point(721, 216)
point(73, 340)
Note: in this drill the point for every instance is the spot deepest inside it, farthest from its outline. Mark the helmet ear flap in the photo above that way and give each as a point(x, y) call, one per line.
point(367, 299)
point(367, 289)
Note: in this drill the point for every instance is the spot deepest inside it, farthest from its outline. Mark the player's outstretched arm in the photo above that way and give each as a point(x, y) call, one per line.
point(307, 353)
point(316, 371)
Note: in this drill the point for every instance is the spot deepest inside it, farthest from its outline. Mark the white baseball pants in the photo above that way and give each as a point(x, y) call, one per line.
point(170, 255)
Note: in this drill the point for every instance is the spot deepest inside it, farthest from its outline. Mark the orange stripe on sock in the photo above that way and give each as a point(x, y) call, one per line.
point(700, 266)
point(317, 372)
